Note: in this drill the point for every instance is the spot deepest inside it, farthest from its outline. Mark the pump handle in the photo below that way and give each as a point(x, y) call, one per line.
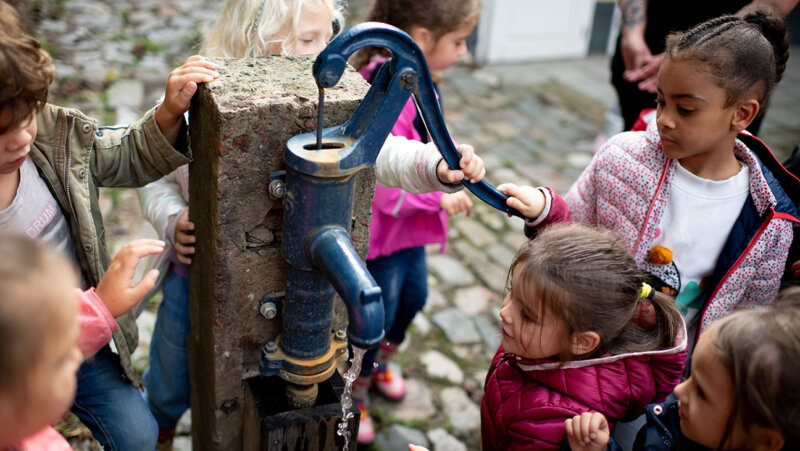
point(409, 65)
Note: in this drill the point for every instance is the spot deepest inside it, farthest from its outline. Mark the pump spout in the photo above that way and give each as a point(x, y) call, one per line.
point(332, 251)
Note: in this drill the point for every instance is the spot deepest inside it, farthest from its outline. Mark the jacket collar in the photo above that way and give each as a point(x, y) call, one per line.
point(538, 365)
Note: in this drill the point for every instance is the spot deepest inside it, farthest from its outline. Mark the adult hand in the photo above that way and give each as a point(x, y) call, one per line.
point(116, 289)
point(184, 238)
point(455, 203)
point(587, 432)
point(647, 75)
point(471, 167)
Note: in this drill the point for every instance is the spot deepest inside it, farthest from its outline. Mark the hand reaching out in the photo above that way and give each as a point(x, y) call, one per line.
point(116, 289)
point(471, 167)
point(181, 86)
point(587, 432)
point(184, 238)
point(526, 199)
point(455, 203)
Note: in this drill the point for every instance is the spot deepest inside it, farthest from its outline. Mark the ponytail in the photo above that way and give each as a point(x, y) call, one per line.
point(773, 27)
point(654, 324)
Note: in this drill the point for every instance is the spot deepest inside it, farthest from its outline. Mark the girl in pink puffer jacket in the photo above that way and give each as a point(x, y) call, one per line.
point(581, 332)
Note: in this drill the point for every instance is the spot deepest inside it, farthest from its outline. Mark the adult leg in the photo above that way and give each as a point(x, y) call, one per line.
point(111, 407)
point(167, 378)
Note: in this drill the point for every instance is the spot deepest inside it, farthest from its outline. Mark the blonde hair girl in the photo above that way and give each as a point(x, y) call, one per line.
point(268, 27)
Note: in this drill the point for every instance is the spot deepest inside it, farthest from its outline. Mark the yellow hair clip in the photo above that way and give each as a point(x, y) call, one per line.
point(647, 291)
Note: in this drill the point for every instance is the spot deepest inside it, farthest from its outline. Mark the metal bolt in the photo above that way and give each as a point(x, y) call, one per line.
point(409, 79)
point(272, 347)
point(341, 335)
point(269, 310)
point(276, 189)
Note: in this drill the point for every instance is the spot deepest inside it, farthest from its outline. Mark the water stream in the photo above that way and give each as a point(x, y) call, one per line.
point(347, 399)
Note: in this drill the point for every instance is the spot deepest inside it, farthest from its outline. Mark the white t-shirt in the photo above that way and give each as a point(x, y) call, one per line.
point(697, 220)
point(35, 213)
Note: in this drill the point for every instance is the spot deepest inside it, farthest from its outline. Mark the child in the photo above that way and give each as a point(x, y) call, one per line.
point(52, 162)
point(707, 215)
point(580, 331)
point(403, 223)
point(256, 28)
point(743, 392)
point(42, 344)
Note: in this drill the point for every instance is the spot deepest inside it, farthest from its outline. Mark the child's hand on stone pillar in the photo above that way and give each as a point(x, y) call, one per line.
point(181, 86)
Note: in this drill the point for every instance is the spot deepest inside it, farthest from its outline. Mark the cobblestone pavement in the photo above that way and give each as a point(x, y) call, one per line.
point(532, 123)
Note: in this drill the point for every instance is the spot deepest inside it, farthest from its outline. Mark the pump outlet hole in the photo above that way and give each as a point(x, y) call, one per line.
point(325, 146)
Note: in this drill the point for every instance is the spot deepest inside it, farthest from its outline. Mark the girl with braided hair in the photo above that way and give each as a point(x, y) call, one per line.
point(705, 209)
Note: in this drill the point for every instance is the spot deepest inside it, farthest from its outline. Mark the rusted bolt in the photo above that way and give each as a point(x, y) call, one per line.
point(269, 310)
point(341, 335)
point(276, 189)
point(409, 79)
point(272, 347)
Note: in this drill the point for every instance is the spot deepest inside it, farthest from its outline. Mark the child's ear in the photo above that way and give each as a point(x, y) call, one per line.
point(766, 439)
point(424, 38)
point(584, 342)
point(746, 112)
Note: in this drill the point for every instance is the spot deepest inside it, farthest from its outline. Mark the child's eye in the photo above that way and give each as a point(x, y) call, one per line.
point(660, 102)
point(685, 111)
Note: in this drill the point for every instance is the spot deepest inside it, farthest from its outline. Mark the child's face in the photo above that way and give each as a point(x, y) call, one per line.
point(705, 399)
point(693, 121)
point(528, 331)
point(314, 31)
point(449, 48)
point(15, 143)
point(50, 388)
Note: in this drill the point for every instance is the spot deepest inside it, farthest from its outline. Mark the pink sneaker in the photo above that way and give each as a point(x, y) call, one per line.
point(390, 384)
point(366, 430)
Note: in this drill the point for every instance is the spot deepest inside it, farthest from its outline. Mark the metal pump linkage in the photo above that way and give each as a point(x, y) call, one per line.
point(318, 206)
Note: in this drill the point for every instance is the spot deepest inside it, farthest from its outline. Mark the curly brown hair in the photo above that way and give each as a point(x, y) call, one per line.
point(26, 71)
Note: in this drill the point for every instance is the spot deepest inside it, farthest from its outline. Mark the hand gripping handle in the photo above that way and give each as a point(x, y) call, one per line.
point(409, 66)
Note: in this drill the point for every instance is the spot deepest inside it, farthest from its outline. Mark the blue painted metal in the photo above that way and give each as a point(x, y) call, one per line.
point(375, 117)
point(318, 204)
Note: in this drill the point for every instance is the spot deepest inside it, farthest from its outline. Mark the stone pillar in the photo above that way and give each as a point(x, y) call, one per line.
point(239, 125)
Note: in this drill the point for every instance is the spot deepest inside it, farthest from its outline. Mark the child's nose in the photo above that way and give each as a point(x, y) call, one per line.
point(664, 120)
point(19, 138)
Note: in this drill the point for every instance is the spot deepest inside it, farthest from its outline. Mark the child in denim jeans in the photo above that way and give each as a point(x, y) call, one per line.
point(247, 28)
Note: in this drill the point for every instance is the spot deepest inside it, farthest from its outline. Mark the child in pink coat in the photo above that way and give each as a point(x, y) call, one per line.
point(402, 222)
point(580, 332)
point(41, 342)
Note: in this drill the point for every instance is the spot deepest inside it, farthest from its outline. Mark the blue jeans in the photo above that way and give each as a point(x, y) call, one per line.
point(111, 407)
point(403, 278)
point(167, 378)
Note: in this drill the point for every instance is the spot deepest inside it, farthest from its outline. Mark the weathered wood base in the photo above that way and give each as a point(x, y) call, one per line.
point(269, 424)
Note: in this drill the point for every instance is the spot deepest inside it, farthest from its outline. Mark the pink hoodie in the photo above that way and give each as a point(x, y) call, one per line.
point(402, 220)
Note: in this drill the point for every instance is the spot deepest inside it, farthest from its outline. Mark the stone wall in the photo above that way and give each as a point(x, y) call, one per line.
point(239, 125)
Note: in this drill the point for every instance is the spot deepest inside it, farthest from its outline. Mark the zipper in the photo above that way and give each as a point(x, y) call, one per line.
point(761, 229)
point(652, 204)
point(70, 123)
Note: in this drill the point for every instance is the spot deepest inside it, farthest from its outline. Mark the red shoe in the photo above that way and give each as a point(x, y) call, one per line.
point(366, 430)
point(390, 384)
